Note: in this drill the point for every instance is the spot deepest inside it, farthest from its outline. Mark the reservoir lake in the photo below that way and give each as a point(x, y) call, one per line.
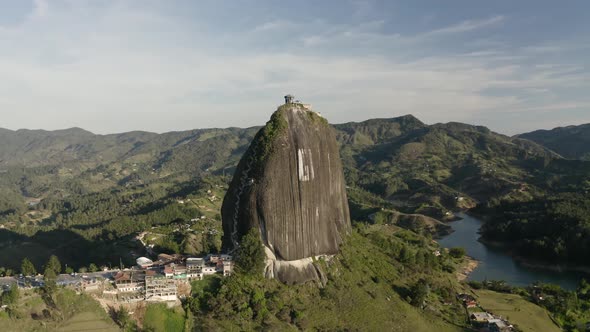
point(496, 264)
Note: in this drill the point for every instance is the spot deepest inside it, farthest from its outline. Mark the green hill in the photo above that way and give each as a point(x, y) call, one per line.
point(417, 168)
point(370, 287)
point(85, 197)
point(571, 142)
point(438, 168)
point(401, 163)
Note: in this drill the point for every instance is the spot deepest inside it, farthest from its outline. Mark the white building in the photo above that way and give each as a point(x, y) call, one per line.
point(159, 288)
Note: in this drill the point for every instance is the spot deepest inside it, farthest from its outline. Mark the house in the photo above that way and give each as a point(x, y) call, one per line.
point(90, 284)
point(212, 258)
point(289, 99)
point(130, 281)
point(159, 288)
point(175, 271)
point(144, 262)
point(228, 268)
point(219, 266)
point(481, 318)
point(209, 270)
point(179, 271)
point(194, 268)
point(468, 300)
point(498, 325)
point(165, 258)
point(168, 271)
point(195, 263)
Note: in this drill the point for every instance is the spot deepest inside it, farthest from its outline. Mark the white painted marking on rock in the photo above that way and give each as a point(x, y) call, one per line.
point(300, 164)
point(305, 165)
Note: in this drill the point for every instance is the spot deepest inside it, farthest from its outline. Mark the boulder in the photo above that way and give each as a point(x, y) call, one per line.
point(290, 186)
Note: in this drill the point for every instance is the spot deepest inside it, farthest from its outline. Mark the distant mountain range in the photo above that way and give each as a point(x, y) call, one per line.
point(571, 142)
point(40, 147)
point(107, 185)
point(419, 168)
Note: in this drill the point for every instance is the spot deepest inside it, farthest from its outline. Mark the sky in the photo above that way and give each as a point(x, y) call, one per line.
point(113, 66)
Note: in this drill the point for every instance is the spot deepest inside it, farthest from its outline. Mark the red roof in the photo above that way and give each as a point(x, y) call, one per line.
point(122, 276)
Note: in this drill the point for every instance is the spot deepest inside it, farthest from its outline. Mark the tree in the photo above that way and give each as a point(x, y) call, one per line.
point(11, 296)
point(122, 317)
point(250, 255)
point(69, 270)
point(27, 268)
point(419, 292)
point(92, 267)
point(406, 255)
point(584, 289)
point(49, 278)
point(82, 269)
point(54, 264)
point(457, 252)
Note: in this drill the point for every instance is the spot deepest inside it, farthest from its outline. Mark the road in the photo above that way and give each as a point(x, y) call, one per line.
point(62, 279)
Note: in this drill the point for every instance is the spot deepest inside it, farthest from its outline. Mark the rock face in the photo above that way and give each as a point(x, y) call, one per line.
point(290, 186)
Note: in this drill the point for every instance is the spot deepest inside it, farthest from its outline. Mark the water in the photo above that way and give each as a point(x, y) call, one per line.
point(495, 264)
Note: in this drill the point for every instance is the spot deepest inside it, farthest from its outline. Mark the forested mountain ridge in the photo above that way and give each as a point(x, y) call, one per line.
point(438, 168)
point(103, 199)
point(400, 164)
point(572, 142)
point(424, 167)
point(32, 148)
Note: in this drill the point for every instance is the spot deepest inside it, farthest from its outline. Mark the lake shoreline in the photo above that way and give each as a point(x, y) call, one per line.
point(532, 263)
point(525, 261)
point(551, 267)
point(494, 260)
point(468, 266)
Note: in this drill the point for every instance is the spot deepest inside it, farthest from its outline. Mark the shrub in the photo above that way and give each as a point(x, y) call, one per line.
point(250, 256)
point(457, 252)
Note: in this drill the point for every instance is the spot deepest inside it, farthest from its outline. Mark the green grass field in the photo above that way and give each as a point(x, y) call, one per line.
point(88, 321)
point(528, 316)
point(74, 313)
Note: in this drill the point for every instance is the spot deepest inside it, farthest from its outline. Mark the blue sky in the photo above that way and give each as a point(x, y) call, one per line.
point(114, 66)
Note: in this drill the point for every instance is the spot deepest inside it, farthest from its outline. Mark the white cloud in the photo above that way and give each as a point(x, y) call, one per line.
point(466, 26)
point(118, 68)
point(40, 8)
